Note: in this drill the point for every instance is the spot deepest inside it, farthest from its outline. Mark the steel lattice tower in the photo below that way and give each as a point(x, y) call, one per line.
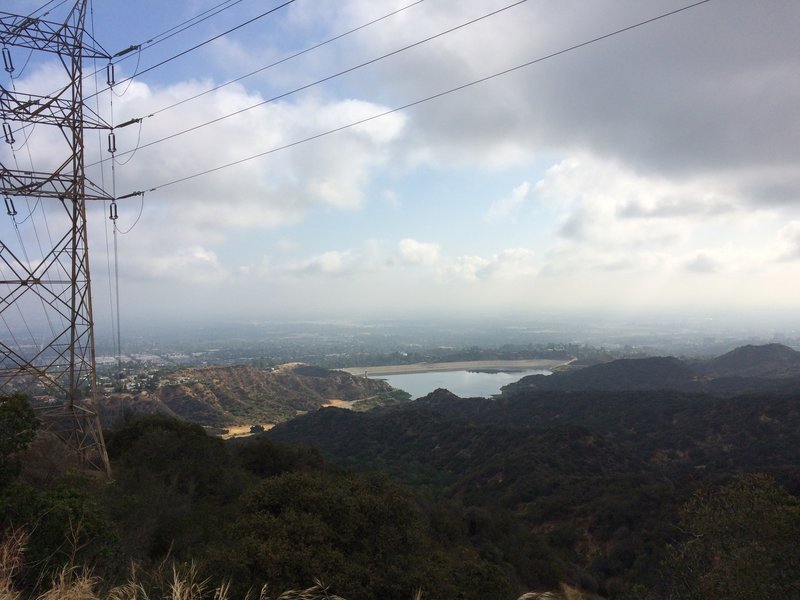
point(60, 369)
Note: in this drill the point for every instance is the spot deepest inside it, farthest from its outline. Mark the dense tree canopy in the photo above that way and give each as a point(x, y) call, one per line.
point(740, 542)
point(17, 428)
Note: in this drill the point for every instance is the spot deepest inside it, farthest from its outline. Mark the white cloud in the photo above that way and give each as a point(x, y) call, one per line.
point(418, 253)
point(208, 212)
point(192, 265)
point(463, 269)
point(789, 242)
point(512, 264)
point(505, 207)
point(328, 263)
point(613, 218)
point(412, 261)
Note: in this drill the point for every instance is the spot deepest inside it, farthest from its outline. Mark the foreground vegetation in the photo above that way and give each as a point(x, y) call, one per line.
point(640, 496)
point(250, 514)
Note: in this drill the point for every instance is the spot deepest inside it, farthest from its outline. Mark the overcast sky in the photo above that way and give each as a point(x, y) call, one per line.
point(657, 169)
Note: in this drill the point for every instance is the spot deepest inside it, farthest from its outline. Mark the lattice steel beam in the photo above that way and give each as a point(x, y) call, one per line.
point(58, 283)
point(49, 36)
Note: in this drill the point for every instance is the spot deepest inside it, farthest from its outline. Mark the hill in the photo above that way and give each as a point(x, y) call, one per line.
point(748, 369)
point(590, 482)
point(221, 396)
point(244, 395)
point(768, 361)
point(651, 373)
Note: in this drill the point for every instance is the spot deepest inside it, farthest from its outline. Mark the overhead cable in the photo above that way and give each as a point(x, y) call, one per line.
point(187, 24)
point(314, 83)
point(197, 46)
point(44, 6)
point(125, 53)
point(287, 58)
point(428, 98)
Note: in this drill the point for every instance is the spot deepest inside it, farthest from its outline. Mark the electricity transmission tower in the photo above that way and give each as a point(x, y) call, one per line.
point(46, 327)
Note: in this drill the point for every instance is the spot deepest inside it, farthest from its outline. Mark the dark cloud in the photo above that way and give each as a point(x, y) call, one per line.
point(576, 226)
point(673, 207)
point(775, 190)
point(711, 91)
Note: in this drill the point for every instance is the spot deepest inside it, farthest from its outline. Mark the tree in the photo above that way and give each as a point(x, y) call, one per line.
point(741, 543)
point(18, 425)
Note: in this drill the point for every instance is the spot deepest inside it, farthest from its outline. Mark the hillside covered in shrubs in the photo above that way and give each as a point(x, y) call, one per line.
point(650, 495)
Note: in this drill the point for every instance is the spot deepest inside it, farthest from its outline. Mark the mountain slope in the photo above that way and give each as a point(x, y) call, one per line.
point(770, 360)
point(748, 369)
point(654, 373)
point(222, 396)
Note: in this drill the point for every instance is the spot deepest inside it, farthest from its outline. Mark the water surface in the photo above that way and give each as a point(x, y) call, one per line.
point(467, 384)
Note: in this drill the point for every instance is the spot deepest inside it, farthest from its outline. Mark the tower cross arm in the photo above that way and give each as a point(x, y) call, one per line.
point(49, 110)
point(48, 36)
point(14, 182)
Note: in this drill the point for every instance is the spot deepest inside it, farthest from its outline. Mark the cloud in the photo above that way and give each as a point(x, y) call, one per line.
point(276, 190)
point(512, 264)
point(606, 204)
point(701, 263)
point(463, 269)
point(192, 265)
point(328, 263)
point(418, 253)
point(672, 154)
point(676, 206)
point(180, 222)
point(681, 97)
point(411, 261)
point(789, 242)
point(509, 205)
point(614, 219)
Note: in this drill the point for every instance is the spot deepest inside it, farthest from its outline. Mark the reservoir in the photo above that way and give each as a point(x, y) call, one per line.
point(467, 384)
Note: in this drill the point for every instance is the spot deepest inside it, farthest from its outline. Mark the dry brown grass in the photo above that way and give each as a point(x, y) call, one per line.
point(180, 583)
point(12, 552)
point(317, 592)
point(170, 582)
point(566, 593)
point(72, 584)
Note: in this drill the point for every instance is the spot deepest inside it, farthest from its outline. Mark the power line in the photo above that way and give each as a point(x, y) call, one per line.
point(288, 58)
point(126, 53)
point(424, 100)
point(312, 84)
point(113, 308)
point(250, 74)
point(197, 46)
point(179, 28)
point(44, 6)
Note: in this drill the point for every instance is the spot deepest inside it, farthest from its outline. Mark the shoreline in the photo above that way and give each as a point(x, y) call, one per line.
point(467, 365)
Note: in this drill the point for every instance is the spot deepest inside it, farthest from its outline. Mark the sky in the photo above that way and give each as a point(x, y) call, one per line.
point(651, 170)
